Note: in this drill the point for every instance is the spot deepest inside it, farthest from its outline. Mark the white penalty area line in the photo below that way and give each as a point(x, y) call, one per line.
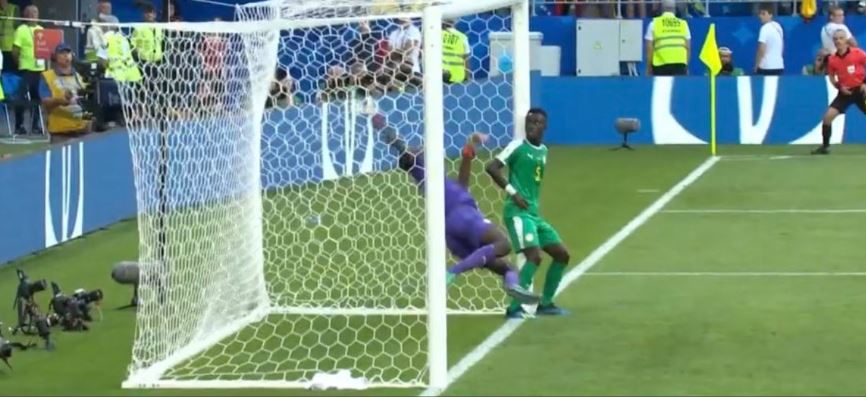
point(504, 331)
point(727, 274)
point(771, 157)
point(767, 211)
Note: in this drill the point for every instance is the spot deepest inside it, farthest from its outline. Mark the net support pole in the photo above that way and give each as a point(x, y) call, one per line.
point(521, 72)
point(434, 143)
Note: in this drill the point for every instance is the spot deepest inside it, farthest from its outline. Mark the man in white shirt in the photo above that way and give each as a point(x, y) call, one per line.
point(96, 44)
point(771, 43)
point(837, 22)
point(406, 39)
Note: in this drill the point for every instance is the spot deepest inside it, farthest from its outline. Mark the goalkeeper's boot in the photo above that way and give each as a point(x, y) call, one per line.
point(821, 150)
point(516, 314)
point(449, 278)
point(522, 295)
point(550, 309)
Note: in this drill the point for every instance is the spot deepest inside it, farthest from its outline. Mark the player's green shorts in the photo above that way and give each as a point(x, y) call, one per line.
point(527, 230)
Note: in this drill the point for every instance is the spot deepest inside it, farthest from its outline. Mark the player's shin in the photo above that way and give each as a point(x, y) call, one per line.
point(551, 282)
point(826, 131)
point(476, 259)
point(501, 267)
point(527, 274)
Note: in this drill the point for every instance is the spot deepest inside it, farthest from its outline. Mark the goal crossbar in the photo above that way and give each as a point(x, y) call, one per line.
point(451, 10)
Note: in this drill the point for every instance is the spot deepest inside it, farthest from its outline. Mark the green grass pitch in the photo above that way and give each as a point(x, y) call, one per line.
point(746, 301)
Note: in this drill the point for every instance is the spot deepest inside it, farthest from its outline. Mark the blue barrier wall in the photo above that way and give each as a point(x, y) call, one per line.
point(740, 34)
point(51, 197)
point(54, 196)
point(751, 110)
point(59, 194)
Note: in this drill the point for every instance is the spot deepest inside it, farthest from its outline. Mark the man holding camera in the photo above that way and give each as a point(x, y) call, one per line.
point(60, 90)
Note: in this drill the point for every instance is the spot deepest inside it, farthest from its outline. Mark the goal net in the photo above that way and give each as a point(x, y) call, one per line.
point(279, 238)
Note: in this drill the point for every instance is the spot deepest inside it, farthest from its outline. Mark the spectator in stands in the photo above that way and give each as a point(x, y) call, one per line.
point(836, 22)
point(174, 14)
point(405, 44)
point(728, 68)
point(819, 66)
point(59, 88)
point(771, 43)
point(95, 48)
point(336, 83)
point(594, 9)
point(641, 9)
point(30, 68)
point(668, 43)
point(394, 6)
point(213, 52)
point(455, 53)
point(7, 34)
point(366, 48)
point(282, 90)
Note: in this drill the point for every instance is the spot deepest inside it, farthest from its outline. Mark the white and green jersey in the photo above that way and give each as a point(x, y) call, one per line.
point(525, 163)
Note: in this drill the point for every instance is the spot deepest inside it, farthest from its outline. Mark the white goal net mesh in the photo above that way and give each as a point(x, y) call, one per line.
point(279, 239)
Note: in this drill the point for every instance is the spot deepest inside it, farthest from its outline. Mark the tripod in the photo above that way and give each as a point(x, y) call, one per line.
point(624, 144)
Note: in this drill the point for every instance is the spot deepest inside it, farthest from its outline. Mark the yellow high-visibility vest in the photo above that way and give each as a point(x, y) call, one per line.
point(7, 29)
point(147, 43)
point(669, 40)
point(453, 50)
point(121, 66)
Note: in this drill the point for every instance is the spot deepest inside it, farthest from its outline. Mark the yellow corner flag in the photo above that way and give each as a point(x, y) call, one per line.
point(710, 57)
point(710, 52)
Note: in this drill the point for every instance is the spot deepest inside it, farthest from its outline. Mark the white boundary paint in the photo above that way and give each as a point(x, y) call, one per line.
point(503, 332)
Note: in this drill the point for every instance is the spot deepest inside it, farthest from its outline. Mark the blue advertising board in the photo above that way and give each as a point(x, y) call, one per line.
point(53, 196)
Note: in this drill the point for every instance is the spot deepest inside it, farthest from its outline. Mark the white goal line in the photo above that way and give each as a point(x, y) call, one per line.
point(768, 211)
point(726, 274)
point(503, 332)
point(372, 311)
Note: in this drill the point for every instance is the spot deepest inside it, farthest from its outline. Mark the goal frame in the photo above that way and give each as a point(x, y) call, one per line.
point(436, 310)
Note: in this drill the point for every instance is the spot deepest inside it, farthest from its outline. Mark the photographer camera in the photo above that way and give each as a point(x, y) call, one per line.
point(7, 346)
point(73, 311)
point(30, 318)
point(60, 89)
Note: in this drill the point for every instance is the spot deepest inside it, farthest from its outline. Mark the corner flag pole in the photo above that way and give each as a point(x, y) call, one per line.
point(710, 57)
point(712, 114)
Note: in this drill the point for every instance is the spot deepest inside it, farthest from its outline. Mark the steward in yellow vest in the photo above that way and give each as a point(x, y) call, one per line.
point(668, 43)
point(455, 53)
point(7, 26)
point(147, 41)
point(121, 65)
point(59, 90)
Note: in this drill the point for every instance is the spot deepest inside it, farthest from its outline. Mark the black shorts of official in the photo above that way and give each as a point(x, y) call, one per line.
point(671, 69)
point(842, 101)
point(770, 72)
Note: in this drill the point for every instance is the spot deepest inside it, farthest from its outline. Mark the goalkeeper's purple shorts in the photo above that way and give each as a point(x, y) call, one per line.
point(464, 227)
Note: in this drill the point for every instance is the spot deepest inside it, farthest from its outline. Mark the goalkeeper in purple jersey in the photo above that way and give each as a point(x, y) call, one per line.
point(468, 234)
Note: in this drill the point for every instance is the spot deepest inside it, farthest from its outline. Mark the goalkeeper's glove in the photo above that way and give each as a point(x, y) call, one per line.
point(475, 138)
point(469, 151)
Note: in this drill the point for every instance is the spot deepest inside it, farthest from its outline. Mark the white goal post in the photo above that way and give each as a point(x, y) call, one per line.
point(278, 239)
